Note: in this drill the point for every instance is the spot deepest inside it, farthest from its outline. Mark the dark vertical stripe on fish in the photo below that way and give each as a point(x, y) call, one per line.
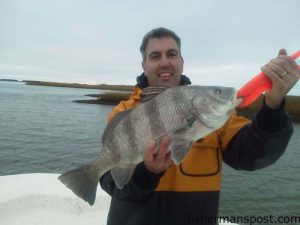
point(156, 124)
point(131, 134)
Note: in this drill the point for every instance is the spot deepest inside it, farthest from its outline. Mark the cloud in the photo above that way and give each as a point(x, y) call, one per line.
point(99, 40)
point(232, 74)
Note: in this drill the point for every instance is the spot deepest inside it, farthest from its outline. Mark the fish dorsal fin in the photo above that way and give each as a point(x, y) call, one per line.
point(113, 123)
point(151, 92)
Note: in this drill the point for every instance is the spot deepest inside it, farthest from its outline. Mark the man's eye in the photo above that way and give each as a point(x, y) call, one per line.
point(154, 57)
point(173, 54)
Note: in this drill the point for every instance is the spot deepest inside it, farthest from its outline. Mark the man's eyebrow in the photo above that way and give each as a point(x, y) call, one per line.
point(173, 50)
point(154, 53)
point(158, 52)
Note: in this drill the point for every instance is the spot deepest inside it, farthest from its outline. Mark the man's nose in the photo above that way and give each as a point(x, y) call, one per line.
point(164, 62)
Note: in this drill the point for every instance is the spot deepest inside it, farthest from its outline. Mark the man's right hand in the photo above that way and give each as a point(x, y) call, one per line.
point(157, 162)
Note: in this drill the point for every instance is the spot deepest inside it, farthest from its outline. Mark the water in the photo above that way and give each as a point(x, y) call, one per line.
point(42, 130)
point(272, 191)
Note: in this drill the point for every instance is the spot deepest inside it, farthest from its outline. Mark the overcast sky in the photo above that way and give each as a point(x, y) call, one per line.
point(95, 41)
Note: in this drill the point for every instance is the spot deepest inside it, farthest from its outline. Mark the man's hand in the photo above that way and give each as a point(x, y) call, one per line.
point(284, 74)
point(157, 162)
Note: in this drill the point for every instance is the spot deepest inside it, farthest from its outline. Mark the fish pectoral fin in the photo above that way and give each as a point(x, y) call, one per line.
point(122, 175)
point(181, 145)
point(179, 149)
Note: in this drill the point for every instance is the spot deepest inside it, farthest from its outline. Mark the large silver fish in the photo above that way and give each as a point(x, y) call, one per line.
point(184, 113)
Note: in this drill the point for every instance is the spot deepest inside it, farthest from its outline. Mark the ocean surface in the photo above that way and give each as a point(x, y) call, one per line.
point(43, 131)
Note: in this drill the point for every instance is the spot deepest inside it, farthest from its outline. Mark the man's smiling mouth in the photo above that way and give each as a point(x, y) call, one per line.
point(165, 75)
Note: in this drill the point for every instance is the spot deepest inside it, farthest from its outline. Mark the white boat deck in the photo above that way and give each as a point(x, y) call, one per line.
point(40, 199)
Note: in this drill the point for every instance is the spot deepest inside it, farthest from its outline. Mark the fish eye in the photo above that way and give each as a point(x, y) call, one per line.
point(218, 91)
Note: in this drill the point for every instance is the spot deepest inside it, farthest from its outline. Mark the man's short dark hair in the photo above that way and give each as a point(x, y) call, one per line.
point(158, 33)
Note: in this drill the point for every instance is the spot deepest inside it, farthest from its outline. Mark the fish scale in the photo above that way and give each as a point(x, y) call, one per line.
point(174, 113)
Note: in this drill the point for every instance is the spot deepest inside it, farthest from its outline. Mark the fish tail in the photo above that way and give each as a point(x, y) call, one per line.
point(83, 181)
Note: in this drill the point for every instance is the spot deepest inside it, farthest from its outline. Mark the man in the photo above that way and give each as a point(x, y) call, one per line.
point(163, 193)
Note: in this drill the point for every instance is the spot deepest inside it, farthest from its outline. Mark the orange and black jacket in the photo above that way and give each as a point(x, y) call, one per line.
point(189, 193)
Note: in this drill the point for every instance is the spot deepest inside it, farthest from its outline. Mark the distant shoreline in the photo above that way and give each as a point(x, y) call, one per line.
point(86, 86)
point(10, 80)
point(292, 104)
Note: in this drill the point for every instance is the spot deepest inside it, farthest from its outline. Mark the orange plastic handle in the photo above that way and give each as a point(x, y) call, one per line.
point(260, 83)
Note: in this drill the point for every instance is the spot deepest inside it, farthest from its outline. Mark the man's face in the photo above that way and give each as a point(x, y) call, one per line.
point(163, 64)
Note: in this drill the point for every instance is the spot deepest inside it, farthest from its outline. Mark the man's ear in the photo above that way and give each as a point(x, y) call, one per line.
point(143, 66)
point(182, 64)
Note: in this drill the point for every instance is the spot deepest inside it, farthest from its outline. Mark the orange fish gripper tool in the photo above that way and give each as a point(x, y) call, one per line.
point(260, 83)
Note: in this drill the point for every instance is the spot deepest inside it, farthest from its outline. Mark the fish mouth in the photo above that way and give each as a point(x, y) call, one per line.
point(236, 101)
point(239, 101)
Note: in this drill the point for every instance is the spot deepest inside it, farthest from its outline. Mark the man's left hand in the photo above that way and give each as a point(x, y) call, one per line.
point(284, 74)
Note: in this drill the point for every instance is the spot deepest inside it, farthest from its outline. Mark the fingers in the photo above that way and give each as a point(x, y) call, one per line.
point(282, 52)
point(277, 74)
point(150, 151)
point(284, 74)
point(283, 66)
point(163, 148)
point(274, 76)
point(286, 64)
point(158, 161)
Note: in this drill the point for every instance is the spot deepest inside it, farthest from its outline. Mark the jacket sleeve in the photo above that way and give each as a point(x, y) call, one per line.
point(141, 185)
point(260, 143)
